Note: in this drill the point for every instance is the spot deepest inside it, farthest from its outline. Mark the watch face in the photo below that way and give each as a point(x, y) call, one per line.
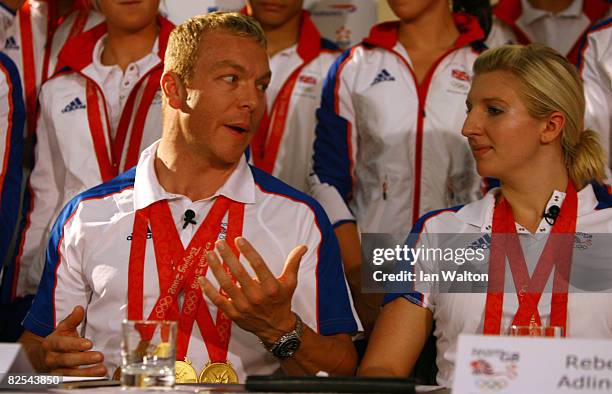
point(287, 348)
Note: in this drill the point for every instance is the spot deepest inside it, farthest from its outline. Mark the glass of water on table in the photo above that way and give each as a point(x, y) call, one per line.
point(148, 353)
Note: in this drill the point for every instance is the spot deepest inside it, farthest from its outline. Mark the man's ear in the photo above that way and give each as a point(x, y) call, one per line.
point(174, 90)
point(553, 127)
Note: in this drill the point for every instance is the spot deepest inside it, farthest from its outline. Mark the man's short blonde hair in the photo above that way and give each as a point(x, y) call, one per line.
point(184, 43)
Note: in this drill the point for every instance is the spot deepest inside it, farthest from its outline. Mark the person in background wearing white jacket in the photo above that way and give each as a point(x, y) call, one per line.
point(31, 34)
point(96, 116)
point(595, 66)
point(299, 60)
point(560, 24)
point(388, 146)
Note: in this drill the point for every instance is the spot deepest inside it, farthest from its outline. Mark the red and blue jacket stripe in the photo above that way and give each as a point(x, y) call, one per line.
point(11, 178)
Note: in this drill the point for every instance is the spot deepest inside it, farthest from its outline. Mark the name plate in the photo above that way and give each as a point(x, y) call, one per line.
point(494, 364)
point(13, 359)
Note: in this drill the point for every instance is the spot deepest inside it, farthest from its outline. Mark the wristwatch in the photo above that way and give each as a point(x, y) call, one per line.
point(289, 342)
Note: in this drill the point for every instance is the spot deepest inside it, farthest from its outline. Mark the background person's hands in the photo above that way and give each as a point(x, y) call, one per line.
point(65, 352)
point(260, 305)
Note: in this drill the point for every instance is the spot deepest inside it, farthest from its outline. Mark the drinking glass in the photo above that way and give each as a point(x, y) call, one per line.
point(148, 353)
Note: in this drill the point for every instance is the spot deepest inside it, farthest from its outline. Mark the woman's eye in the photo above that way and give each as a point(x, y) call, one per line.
point(494, 111)
point(262, 87)
point(229, 78)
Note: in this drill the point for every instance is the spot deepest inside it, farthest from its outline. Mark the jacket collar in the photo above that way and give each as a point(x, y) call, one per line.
point(386, 34)
point(240, 186)
point(78, 51)
point(480, 213)
point(309, 38)
point(509, 11)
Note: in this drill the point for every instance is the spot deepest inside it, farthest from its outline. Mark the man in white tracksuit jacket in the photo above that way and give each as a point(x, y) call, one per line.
point(94, 121)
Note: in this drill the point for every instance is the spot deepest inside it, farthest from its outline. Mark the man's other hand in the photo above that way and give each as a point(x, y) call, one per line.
point(261, 305)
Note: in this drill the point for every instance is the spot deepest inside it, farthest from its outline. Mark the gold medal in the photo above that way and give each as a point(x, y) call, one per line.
point(163, 350)
point(184, 372)
point(218, 373)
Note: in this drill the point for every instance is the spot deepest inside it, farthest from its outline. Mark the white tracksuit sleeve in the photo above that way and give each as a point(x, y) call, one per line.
point(46, 182)
point(596, 55)
point(335, 148)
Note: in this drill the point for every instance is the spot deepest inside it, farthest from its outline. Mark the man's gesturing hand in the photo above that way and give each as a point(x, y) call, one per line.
point(65, 351)
point(260, 305)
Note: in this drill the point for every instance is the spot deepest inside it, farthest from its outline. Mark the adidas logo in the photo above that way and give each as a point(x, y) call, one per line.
point(149, 234)
point(11, 43)
point(74, 105)
point(382, 76)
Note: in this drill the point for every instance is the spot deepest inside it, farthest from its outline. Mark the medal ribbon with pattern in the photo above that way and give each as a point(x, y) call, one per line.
point(178, 270)
point(557, 254)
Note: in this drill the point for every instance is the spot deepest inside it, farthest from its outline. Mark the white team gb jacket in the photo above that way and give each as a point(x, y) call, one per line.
point(387, 148)
point(289, 126)
point(595, 65)
point(28, 38)
point(70, 156)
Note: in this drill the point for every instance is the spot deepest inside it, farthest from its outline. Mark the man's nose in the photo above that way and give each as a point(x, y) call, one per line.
point(250, 97)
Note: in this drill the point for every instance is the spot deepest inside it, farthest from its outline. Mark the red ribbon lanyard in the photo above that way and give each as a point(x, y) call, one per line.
point(266, 142)
point(29, 65)
point(110, 166)
point(178, 269)
point(557, 253)
point(217, 337)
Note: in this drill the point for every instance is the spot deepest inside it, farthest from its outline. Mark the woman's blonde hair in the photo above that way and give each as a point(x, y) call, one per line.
point(184, 44)
point(550, 83)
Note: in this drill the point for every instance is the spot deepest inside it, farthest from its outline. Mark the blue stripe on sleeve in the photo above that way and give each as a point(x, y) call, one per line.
point(413, 237)
point(603, 196)
point(40, 318)
point(331, 150)
point(334, 309)
point(11, 187)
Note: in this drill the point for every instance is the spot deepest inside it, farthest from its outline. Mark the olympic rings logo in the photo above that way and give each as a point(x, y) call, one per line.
point(190, 302)
point(163, 305)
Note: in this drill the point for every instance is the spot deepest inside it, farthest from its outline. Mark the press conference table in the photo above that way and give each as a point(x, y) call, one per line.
point(235, 388)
